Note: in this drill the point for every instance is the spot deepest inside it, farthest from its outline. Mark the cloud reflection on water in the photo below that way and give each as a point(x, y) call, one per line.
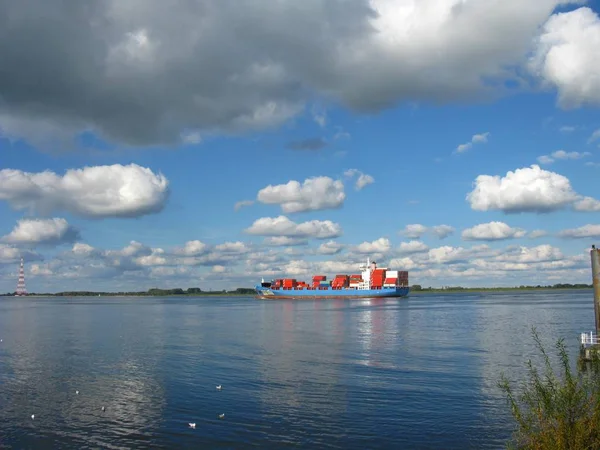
point(42, 369)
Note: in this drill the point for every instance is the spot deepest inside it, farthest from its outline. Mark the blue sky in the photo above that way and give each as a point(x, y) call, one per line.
point(167, 142)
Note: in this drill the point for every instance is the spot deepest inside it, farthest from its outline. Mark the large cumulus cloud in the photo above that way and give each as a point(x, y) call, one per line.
point(145, 72)
point(93, 192)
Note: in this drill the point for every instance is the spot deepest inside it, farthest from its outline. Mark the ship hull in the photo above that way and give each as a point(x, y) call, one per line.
point(308, 294)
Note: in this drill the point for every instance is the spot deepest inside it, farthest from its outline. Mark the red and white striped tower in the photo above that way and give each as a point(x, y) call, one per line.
point(21, 283)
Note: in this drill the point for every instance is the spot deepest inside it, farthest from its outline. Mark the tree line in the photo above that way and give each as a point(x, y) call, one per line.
point(150, 292)
point(250, 291)
point(418, 287)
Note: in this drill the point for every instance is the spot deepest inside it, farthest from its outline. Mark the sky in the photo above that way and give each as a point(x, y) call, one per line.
point(210, 144)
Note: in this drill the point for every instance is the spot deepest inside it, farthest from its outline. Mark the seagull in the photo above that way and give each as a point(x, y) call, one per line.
point(33, 416)
point(77, 392)
point(221, 416)
point(103, 408)
point(192, 425)
point(219, 387)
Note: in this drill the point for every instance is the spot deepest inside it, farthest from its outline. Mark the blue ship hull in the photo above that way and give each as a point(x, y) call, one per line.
point(268, 293)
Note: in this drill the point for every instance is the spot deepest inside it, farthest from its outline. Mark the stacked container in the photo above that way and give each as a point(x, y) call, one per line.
point(340, 281)
point(403, 278)
point(377, 278)
point(355, 280)
point(317, 279)
point(289, 283)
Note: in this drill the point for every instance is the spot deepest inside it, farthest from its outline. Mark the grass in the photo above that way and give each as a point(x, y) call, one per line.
point(556, 412)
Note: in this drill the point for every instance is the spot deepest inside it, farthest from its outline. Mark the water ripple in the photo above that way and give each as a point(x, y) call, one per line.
point(344, 374)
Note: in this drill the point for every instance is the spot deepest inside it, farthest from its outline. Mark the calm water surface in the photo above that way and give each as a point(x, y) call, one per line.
point(415, 373)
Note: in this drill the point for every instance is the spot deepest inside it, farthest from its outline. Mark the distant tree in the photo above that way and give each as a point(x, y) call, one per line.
point(416, 287)
point(194, 290)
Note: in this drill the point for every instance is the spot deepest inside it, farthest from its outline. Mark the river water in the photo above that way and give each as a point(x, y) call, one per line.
point(416, 373)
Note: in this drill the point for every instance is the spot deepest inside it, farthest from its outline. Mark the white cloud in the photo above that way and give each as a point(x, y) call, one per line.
point(362, 180)
point(442, 231)
point(587, 204)
point(561, 154)
point(156, 258)
point(412, 247)
point(138, 266)
point(341, 134)
point(219, 269)
point(475, 139)
point(592, 164)
point(530, 189)
point(319, 115)
point(232, 247)
point(586, 231)
point(241, 204)
point(330, 248)
point(567, 129)
point(595, 136)
point(282, 226)
point(314, 194)
point(540, 253)
point(566, 57)
point(537, 234)
point(42, 232)
point(414, 231)
point(405, 263)
point(192, 248)
point(10, 254)
point(191, 137)
point(448, 254)
point(93, 192)
point(39, 270)
point(284, 241)
point(366, 55)
point(492, 231)
point(381, 245)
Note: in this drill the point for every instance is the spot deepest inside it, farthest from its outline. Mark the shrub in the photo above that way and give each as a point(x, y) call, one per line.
point(555, 413)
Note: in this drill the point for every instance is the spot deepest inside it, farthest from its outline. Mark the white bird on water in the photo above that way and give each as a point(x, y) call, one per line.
point(221, 416)
point(192, 425)
point(103, 408)
point(33, 416)
point(219, 387)
point(77, 392)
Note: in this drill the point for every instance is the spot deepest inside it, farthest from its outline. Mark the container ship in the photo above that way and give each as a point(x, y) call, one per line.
point(371, 282)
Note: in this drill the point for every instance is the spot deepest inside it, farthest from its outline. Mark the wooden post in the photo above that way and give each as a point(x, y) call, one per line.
point(595, 255)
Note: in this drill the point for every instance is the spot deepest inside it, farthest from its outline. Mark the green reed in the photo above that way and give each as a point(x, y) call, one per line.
point(555, 412)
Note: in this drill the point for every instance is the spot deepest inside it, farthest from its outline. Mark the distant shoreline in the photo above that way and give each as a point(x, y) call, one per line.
point(251, 293)
point(507, 289)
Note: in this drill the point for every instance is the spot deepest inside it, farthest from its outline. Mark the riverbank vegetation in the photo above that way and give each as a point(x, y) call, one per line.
point(195, 291)
point(556, 411)
point(150, 292)
point(419, 288)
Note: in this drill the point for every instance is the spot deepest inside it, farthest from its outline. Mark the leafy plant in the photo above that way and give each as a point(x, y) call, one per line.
point(556, 413)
